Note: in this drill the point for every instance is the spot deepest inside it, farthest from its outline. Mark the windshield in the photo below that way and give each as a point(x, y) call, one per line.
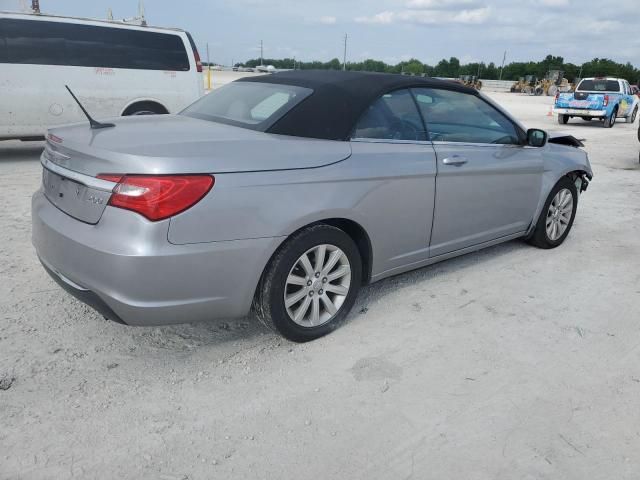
point(252, 105)
point(599, 86)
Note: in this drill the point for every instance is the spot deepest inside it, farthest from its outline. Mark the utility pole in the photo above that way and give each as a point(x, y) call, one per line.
point(208, 69)
point(35, 6)
point(504, 57)
point(261, 53)
point(344, 58)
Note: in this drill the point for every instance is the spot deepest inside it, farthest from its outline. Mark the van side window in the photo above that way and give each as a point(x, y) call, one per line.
point(62, 43)
point(3, 46)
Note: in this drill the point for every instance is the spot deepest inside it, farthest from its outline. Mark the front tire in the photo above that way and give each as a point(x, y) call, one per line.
point(634, 114)
point(310, 284)
point(563, 119)
point(557, 216)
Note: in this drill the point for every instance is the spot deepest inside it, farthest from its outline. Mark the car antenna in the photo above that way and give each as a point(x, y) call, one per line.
point(94, 123)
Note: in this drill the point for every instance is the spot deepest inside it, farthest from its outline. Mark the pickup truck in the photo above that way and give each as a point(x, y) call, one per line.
point(603, 98)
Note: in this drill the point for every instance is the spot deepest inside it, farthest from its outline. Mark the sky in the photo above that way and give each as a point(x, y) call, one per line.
point(388, 30)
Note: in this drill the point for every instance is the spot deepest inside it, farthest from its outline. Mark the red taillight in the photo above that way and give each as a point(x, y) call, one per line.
point(110, 177)
point(606, 100)
point(160, 196)
point(53, 138)
point(557, 97)
point(197, 57)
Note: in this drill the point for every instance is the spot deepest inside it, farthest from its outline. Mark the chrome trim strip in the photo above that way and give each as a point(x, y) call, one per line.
point(482, 145)
point(91, 182)
point(385, 140)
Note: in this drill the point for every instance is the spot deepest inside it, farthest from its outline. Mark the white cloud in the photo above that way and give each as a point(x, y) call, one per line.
point(553, 3)
point(382, 17)
point(328, 20)
point(429, 17)
point(442, 4)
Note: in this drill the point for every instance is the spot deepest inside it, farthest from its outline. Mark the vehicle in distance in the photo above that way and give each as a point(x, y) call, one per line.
point(287, 192)
point(118, 69)
point(603, 98)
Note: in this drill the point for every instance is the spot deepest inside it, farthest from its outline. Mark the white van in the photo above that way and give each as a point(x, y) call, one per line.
point(113, 68)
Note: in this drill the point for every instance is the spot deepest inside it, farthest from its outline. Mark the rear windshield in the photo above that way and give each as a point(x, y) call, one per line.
point(599, 86)
point(251, 105)
point(61, 43)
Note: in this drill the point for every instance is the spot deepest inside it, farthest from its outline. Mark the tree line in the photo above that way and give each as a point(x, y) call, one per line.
point(452, 68)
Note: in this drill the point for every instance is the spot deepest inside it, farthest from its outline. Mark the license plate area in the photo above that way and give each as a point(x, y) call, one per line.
point(73, 198)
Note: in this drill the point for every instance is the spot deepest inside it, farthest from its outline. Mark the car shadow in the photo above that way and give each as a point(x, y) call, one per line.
point(247, 332)
point(423, 276)
point(591, 124)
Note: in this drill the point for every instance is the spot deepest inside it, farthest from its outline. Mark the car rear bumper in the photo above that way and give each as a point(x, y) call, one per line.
point(577, 112)
point(125, 268)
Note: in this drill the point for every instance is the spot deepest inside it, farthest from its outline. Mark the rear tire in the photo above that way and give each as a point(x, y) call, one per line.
point(587, 119)
point(145, 108)
point(563, 119)
point(289, 277)
point(610, 121)
point(559, 209)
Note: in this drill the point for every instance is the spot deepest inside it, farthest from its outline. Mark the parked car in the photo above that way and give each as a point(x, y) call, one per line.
point(119, 69)
point(603, 98)
point(288, 192)
point(635, 90)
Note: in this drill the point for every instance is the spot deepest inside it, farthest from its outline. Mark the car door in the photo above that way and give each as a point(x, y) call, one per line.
point(391, 154)
point(488, 182)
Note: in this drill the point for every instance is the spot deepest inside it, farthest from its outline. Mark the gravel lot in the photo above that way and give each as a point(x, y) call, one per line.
point(510, 363)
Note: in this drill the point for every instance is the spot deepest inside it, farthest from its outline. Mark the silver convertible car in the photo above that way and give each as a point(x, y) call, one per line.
point(283, 194)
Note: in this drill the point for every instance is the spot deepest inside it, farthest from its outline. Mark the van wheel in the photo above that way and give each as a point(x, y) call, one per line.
point(145, 108)
point(587, 119)
point(633, 116)
point(310, 284)
point(563, 119)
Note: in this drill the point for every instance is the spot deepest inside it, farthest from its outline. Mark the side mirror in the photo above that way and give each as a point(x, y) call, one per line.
point(536, 137)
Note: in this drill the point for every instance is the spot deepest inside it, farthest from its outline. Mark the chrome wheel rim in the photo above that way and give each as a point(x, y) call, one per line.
point(317, 285)
point(559, 214)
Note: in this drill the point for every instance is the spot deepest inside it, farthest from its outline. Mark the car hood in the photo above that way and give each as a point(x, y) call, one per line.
point(166, 144)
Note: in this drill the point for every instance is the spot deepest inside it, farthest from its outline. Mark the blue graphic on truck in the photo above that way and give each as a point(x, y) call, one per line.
point(605, 99)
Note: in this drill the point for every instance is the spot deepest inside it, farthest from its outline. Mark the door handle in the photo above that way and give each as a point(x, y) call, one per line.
point(455, 160)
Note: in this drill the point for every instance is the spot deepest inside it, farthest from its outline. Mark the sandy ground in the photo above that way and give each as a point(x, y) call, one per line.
point(511, 363)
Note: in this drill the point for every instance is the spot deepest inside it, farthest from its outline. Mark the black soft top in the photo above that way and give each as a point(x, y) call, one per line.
point(339, 98)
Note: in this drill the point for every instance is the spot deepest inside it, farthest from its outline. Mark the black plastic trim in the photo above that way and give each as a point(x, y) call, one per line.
point(86, 296)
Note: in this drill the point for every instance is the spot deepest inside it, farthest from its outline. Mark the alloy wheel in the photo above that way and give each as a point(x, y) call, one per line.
point(559, 214)
point(317, 285)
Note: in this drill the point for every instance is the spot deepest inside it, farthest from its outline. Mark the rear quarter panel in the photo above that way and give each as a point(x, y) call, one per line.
point(393, 203)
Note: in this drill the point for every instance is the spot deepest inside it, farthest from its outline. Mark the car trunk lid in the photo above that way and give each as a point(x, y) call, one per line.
point(176, 144)
point(76, 155)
